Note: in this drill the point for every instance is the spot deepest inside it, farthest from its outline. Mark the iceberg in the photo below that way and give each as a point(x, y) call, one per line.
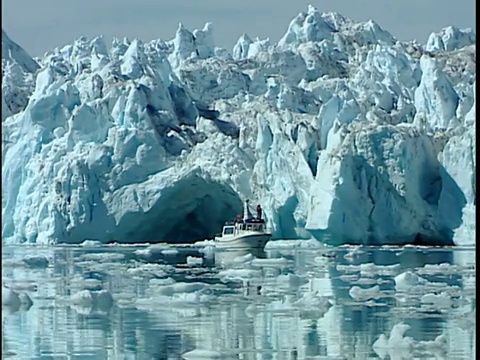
point(339, 130)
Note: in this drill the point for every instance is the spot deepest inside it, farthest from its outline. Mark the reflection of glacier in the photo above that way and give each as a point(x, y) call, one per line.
point(51, 328)
point(279, 314)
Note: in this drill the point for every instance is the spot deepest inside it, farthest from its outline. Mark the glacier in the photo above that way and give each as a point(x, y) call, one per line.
point(339, 130)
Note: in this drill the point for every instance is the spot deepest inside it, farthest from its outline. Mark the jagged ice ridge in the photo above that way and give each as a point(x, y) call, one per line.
point(339, 130)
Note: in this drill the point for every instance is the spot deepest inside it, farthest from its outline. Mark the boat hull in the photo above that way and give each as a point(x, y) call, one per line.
point(255, 240)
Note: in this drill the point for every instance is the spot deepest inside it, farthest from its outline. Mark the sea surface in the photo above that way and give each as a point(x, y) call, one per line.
point(289, 302)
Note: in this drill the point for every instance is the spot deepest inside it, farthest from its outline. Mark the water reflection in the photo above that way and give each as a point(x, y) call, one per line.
point(226, 259)
point(358, 318)
point(279, 304)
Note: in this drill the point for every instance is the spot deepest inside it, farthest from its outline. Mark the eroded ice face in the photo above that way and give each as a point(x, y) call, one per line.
point(339, 131)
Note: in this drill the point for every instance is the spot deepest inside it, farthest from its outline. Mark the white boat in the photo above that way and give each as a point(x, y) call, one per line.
point(246, 232)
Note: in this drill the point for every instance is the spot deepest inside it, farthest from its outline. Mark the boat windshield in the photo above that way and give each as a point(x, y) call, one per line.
point(228, 230)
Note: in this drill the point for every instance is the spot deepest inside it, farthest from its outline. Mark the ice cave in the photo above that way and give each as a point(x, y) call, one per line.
point(193, 209)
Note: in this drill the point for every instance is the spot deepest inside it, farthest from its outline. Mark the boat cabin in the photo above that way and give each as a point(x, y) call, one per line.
point(246, 223)
point(258, 226)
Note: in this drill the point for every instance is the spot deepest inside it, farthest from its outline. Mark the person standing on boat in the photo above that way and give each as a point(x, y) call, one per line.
point(259, 212)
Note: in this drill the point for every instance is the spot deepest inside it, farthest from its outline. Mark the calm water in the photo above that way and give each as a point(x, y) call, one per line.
point(219, 309)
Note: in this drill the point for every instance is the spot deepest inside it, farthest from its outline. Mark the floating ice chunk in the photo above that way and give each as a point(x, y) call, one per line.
point(321, 260)
point(312, 305)
point(349, 278)
point(361, 294)
point(198, 354)
point(143, 253)
point(204, 243)
point(369, 281)
point(291, 280)
point(194, 261)
point(10, 298)
point(441, 301)
point(36, 261)
point(352, 254)
point(371, 303)
point(23, 286)
point(89, 280)
point(310, 244)
point(396, 345)
point(197, 297)
point(181, 287)
point(176, 294)
point(170, 252)
point(372, 269)
point(147, 270)
point(239, 274)
point(440, 343)
point(82, 298)
point(103, 257)
point(292, 244)
point(91, 284)
point(405, 281)
point(91, 243)
point(124, 300)
point(281, 262)
point(15, 301)
point(152, 251)
point(101, 299)
point(208, 251)
point(281, 244)
point(443, 268)
point(161, 282)
point(243, 259)
point(347, 268)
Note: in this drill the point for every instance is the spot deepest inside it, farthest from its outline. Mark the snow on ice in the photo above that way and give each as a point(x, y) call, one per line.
point(339, 130)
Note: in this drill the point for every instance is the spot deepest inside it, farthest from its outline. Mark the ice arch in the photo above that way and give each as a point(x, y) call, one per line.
point(191, 209)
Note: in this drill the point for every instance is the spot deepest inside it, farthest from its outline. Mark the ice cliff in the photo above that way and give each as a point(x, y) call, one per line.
point(17, 77)
point(339, 130)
